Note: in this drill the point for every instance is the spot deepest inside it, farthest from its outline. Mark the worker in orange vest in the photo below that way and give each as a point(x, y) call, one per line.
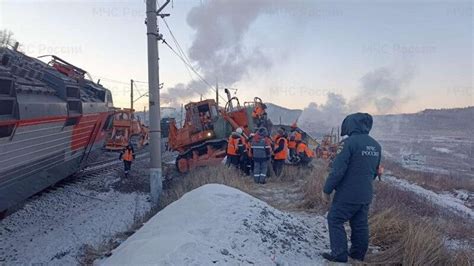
point(295, 136)
point(235, 148)
point(280, 152)
point(259, 114)
point(127, 155)
point(304, 153)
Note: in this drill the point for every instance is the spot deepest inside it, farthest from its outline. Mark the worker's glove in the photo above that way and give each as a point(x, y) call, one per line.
point(326, 197)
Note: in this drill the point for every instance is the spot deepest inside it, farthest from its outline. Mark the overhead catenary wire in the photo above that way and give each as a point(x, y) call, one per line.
point(180, 50)
point(181, 55)
point(194, 70)
point(113, 80)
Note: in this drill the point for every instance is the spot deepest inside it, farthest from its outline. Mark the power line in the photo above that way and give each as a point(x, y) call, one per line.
point(191, 67)
point(182, 55)
point(113, 80)
point(178, 46)
point(179, 49)
point(136, 86)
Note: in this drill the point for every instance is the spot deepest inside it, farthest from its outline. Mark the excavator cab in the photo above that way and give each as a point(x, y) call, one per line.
point(201, 114)
point(127, 129)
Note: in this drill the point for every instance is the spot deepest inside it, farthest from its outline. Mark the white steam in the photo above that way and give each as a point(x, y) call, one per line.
point(218, 50)
point(380, 93)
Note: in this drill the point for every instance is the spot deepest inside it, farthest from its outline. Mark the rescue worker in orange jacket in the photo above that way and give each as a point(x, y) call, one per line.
point(295, 136)
point(259, 114)
point(127, 155)
point(280, 152)
point(235, 148)
point(304, 153)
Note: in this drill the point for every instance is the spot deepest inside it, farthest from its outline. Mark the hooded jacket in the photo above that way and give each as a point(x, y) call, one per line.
point(356, 162)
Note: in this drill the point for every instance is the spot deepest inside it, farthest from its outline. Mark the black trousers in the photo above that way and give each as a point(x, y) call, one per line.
point(246, 164)
point(233, 160)
point(278, 166)
point(127, 166)
point(357, 215)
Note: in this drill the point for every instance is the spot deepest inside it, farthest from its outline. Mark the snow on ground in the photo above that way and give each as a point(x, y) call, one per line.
point(216, 224)
point(52, 228)
point(448, 201)
point(442, 150)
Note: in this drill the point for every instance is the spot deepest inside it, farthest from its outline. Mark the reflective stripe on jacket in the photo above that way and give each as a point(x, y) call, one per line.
point(261, 148)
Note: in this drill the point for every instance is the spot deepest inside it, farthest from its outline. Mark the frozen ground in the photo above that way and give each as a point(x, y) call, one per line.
point(216, 224)
point(447, 201)
point(438, 154)
point(51, 228)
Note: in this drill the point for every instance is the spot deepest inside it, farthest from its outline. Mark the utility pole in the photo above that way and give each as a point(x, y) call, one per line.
point(153, 37)
point(131, 94)
point(181, 116)
point(217, 93)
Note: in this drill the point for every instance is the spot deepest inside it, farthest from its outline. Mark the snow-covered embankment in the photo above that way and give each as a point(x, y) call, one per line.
point(216, 224)
point(447, 201)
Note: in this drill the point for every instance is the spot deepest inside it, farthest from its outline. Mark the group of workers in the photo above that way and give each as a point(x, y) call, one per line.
point(255, 152)
point(355, 166)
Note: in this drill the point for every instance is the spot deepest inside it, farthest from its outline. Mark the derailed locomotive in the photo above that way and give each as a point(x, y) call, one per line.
point(53, 121)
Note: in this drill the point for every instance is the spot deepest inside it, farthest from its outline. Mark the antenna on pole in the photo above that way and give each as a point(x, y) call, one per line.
point(153, 37)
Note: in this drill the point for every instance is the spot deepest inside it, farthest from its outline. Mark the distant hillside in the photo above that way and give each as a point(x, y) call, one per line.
point(447, 122)
point(278, 113)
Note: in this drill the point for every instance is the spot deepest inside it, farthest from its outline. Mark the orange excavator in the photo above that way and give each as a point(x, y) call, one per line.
point(327, 150)
point(202, 139)
point(126, 129)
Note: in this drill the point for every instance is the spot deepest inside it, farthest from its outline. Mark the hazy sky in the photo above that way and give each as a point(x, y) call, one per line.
point(411, 54)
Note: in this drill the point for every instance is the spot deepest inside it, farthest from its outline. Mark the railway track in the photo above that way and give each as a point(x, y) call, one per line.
point(108, 162)
point(87, 207)
point(101, 168)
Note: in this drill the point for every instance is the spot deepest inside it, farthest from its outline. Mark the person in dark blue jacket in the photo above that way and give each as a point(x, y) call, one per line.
point(355, 167)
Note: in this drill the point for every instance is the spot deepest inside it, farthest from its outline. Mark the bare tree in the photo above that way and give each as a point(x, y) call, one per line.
point(6, 38)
